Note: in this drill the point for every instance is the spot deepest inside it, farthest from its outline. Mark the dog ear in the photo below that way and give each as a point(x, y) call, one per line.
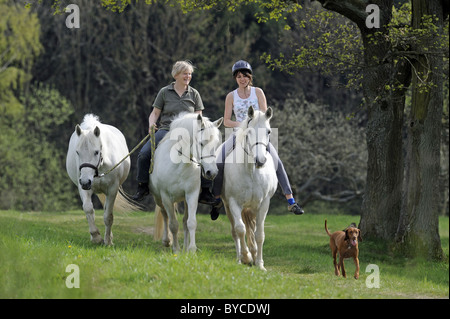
point(359, 235)
point(346, 234)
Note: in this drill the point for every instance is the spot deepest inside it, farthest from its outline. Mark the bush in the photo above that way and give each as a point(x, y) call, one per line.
point(32, 165)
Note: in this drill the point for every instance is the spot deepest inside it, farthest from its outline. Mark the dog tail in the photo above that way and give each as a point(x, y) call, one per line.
point(326, 229)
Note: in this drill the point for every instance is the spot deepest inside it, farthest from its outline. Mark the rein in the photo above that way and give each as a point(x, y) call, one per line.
point(89, 165)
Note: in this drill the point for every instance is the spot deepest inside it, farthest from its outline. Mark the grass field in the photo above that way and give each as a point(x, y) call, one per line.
point(36, 248)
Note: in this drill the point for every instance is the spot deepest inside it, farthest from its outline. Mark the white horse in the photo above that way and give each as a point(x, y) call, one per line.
point(94, 148)
point(249, 184)
point(187, 151)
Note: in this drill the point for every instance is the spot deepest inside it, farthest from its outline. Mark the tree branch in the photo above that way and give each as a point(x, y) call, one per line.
point(355, 10)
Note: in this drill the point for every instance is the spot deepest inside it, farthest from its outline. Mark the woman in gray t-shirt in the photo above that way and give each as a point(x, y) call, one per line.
point(171, 100)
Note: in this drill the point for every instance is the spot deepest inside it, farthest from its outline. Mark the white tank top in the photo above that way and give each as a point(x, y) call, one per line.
point(240, 106)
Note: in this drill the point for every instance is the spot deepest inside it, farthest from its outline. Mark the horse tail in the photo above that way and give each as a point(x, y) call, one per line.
point(326, 229)
point(123, 202)
point(159, 224)
point(250, 225)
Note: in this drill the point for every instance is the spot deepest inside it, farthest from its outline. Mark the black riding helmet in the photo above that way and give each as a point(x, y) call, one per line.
point(241, 65)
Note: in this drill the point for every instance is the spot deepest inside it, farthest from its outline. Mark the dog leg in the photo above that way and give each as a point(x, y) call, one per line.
point(334, 252)
point(336, 266)
point(341, 263)
point(356, 260)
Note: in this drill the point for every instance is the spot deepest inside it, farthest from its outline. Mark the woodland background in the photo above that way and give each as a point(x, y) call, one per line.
point(116, 62)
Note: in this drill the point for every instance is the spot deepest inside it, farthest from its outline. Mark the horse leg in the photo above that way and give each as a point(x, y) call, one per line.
point(186, 232)
point(108, 217)
point(237, 243)
point(88, 208)
point(250, 225)
point(259, 234)
point(173, 223)
point(166, 238)
point(239, 227)
point(192, 204)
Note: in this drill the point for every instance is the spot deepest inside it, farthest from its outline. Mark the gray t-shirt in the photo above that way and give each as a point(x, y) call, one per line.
point(171, 104)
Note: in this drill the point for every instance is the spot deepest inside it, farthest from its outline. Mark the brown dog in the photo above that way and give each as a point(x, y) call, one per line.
point(346, 242)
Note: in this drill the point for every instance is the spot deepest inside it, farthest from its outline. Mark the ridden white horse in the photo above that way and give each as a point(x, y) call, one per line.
point(249, 183)
point(187, 151)
point(94, 148)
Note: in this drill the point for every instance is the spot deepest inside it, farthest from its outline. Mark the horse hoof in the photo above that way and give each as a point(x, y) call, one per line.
point(97, 241)
point(192, 250)
point(247, 259)
point(261, 266)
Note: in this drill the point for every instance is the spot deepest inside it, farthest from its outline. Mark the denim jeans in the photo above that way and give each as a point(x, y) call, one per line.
point(145, 155)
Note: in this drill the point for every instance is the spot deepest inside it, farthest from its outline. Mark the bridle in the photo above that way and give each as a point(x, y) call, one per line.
point(94, 167)
point(250, 148)
point(191, 158)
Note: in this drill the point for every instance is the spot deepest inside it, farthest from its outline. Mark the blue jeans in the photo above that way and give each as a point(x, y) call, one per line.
point(145, 156)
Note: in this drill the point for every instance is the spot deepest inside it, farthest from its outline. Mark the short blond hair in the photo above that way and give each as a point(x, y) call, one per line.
point(181, 66)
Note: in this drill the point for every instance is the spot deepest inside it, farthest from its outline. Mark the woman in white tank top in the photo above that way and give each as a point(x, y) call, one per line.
point(238, 102)
point(241, 105)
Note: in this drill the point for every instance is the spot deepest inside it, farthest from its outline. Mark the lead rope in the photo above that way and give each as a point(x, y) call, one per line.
point(132, 151)
point(153, 147)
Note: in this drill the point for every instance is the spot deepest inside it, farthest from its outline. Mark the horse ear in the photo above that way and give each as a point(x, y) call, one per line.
point(269, 113)
point(218, 122)
point(78, 130)
point(251, 112)
point(200, 121)
point(97, 131)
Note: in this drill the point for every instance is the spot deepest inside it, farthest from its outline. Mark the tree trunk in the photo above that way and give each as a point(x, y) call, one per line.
point(382, 200)
point(418, 230)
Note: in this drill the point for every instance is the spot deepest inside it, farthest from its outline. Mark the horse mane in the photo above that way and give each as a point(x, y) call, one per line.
point(187, 121)
point(184, 120)
point(90, 121)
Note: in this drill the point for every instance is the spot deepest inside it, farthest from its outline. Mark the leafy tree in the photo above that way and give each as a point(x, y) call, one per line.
point(19, 44)
point(32, 165)
point(324, 153)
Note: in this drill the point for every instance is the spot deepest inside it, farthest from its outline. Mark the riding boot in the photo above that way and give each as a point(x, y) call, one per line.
point(206, 197)
point(215, 209)
point(141, 192)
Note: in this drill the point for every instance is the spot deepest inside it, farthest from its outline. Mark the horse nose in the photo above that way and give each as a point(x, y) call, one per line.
point(210, 175)
point(260, 162)
point(86, 185)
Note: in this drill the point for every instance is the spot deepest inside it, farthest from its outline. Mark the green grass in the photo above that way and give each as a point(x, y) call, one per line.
point(35, 249)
